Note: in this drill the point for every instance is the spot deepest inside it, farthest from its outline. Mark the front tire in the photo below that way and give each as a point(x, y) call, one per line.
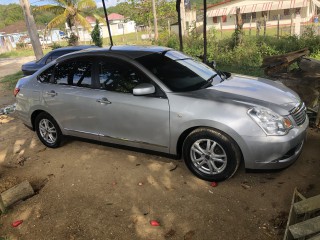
point(211, 155)
point(48, 130)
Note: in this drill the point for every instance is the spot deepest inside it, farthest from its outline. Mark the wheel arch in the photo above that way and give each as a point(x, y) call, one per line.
point(186, 132)
point(34, 116)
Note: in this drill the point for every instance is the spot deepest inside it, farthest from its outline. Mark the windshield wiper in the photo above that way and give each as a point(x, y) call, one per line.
point(209, 81)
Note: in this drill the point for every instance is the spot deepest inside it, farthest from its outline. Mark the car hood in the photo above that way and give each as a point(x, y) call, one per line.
point(250, 91)
point(258, 88)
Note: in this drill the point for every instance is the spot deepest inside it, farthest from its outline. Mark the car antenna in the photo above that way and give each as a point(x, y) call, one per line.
point(107, 20)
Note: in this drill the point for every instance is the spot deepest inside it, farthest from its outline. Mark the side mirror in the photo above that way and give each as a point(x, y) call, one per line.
point(144, 89)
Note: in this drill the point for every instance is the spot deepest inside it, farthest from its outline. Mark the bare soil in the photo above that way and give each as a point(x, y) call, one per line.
point(88, 190)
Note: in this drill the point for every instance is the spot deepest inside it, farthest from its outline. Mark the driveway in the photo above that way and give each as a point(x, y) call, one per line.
point(88, 190)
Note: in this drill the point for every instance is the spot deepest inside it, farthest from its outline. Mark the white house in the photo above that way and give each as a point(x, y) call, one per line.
point(222, 15)
point(118, 25)
point(190, 19)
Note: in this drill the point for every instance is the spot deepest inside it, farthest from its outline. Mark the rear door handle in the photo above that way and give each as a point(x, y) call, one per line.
point(103, 100)
point(52, 93)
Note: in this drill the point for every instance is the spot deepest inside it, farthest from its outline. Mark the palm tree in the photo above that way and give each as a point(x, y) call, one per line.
point(69, 11)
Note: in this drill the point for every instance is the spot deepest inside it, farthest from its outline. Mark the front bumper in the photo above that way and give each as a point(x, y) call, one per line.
point(275, 152)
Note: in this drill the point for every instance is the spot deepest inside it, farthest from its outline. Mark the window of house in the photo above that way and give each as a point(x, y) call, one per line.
point(254, 15)
point(286, 12)
point(224, 18)
point(120, 26)
point(215, 19)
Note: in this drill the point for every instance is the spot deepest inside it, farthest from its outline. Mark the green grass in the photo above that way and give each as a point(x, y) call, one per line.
point(21, 53)
point(127, 39)
point(11, 80)
point(252, 71)
point(4, 238)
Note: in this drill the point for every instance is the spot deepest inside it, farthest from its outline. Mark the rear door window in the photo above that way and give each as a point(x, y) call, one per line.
point(74, 73)
point(45, 76)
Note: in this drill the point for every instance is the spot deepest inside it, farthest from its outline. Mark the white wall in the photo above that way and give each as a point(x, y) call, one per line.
point(115, 27)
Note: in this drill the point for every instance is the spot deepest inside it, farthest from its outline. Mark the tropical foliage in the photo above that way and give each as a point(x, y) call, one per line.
point(10, 14)
point(247, 57)
point(96, 35)
point(140, 11)
point(70, 11)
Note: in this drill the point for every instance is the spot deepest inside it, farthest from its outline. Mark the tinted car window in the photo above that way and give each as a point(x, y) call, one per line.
point(75, 73)
point(45, 76)
point(119, 77)
point(55, 55)
point(178, 74)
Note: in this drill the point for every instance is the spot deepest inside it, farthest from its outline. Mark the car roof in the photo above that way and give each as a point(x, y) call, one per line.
point(74, 48)
point(126, 50)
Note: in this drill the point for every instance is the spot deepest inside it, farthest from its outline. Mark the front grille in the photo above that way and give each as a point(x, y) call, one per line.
point(299, 113)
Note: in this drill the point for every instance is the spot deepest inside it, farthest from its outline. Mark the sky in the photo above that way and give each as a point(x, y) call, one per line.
point(109, 3)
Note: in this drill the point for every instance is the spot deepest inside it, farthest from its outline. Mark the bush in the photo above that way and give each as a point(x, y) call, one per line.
point(248, 56)
point(20, 45)
point(55, 46)
point(96, 35)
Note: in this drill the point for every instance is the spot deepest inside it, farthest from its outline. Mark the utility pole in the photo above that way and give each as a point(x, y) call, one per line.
point(32, 29)
point(155, 21)
point(178, 3)
point(204, 31)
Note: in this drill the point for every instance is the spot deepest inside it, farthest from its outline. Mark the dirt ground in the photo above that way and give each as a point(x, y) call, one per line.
point(88, 190)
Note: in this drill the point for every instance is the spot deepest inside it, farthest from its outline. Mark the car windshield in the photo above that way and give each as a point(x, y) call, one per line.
point(179, 72)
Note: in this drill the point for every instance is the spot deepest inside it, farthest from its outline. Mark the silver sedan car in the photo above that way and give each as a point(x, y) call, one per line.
point(160, 99)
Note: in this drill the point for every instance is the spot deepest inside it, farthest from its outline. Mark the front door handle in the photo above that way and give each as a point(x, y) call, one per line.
point(103, 100)
point(52, 93)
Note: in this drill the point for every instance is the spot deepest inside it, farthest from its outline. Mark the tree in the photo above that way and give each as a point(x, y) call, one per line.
point(239, 27)
point(155, 20)
point(70, 11)
point(96, 35)
point(32, 29)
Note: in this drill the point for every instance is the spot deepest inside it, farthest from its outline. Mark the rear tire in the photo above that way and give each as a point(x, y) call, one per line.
point(48, 130)
point(211, 155)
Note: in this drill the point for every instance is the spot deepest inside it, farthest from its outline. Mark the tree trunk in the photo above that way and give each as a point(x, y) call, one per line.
point(32, 29)
point(239, 24)
point(155, 20)
point(16, 193)
point(178, 3)
point(204, 31)
point(264, 26)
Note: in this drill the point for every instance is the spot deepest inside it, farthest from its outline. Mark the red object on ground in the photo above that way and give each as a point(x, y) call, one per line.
point(154, 223)
point(17, 223)
point(214, 184)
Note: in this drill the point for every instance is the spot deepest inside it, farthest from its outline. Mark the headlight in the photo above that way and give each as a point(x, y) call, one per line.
point(270, 122)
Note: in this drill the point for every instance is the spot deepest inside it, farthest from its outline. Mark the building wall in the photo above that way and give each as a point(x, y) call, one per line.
point(116, 27)
point(272, 19)
point(306, 12)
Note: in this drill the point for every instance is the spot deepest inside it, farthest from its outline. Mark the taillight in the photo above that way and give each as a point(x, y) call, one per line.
point(16, 91)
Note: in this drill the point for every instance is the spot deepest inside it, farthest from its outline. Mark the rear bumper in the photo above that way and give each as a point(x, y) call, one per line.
point(275, 152)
